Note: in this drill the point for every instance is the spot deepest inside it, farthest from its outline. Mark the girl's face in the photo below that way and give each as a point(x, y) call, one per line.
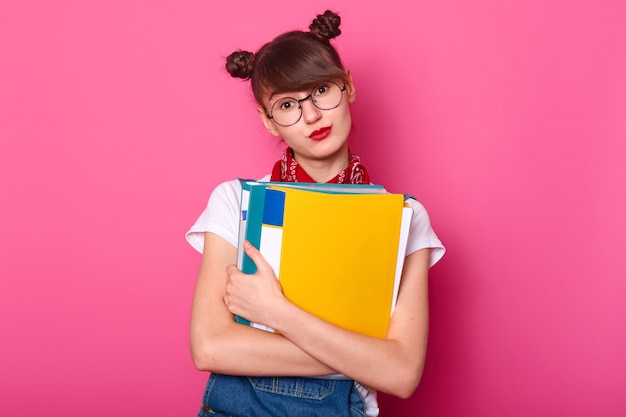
point(319, 135)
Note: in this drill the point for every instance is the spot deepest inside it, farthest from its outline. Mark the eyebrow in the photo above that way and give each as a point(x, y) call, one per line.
point(289, 93)
point(305, 88)
point(285, 94)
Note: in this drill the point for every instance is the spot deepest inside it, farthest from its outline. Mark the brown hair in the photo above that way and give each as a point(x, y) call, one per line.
point(292, 61)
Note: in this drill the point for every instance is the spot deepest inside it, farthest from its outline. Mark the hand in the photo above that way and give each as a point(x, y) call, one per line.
point(253, 296)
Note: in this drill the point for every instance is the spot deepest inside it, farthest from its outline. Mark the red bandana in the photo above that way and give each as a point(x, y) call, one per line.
point(288, 170)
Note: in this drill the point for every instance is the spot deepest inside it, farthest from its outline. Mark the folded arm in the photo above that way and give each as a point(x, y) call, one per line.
point(219, 344)
point(393, 365)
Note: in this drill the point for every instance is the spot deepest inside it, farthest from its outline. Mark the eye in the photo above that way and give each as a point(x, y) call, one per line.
point(320, 90)
point(286, 104)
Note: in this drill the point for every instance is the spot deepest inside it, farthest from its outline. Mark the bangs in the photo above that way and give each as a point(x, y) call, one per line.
point(295, 64)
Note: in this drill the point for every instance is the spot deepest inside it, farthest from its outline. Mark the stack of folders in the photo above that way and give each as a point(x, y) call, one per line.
point(337, 249)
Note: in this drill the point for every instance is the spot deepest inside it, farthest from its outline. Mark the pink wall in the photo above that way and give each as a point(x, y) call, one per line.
point(506, 118)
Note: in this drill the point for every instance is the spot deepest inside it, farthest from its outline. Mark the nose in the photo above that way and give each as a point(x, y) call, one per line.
point(310, 113)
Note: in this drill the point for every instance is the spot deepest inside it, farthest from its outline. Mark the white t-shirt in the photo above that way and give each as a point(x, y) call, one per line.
point(221, 216)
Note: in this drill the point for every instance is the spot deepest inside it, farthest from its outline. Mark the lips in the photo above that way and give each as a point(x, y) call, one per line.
point(320, 133)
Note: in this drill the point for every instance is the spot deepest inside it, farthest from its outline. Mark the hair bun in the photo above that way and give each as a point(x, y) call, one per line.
point(239, 64)
point(326, 26)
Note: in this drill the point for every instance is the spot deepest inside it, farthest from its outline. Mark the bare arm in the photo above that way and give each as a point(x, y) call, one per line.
point(393, 365)
point(219, 344)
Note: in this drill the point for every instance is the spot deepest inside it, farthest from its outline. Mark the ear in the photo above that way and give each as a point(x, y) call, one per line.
point(269, 125)
point(350, 90)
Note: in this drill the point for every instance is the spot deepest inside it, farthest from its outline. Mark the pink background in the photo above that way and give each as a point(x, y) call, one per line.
point(506, 118)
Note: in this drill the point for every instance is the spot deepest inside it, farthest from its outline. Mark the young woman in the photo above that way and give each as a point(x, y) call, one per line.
point(311, 367)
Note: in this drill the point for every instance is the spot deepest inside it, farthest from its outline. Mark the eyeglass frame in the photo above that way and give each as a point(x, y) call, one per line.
point(310, 96)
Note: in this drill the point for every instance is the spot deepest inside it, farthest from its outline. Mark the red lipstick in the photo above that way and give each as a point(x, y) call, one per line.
point(321, 133)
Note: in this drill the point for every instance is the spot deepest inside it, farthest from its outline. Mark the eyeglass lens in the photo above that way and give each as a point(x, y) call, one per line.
point(288, 110)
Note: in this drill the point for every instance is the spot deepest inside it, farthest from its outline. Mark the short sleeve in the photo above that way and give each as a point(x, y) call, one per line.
point(422, 235)
point(221, 216)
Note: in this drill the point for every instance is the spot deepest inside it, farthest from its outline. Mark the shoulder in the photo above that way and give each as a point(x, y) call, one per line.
point(419, 211)
point(422, 234)
point(221, 215)
point(229, 193)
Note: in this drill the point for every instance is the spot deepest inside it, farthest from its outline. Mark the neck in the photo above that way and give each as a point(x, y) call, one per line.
point(326, 169)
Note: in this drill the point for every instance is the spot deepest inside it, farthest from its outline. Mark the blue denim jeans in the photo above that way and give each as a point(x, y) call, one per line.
point(240, 396)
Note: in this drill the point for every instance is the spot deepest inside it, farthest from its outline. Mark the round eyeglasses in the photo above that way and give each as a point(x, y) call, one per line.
point(287, 111)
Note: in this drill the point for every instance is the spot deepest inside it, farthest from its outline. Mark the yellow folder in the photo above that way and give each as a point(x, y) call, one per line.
point(337, 255)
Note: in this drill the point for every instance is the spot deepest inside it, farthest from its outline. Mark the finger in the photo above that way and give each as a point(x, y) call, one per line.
point(231, 269)
point(228, 304)
point(256, 256)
